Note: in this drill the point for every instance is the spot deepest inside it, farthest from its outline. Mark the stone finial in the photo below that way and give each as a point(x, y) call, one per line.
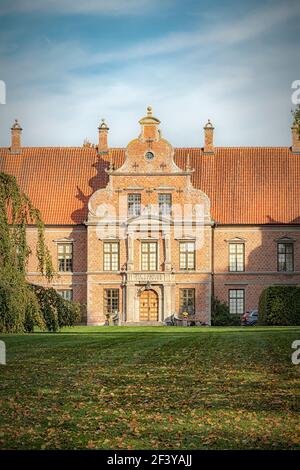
point(149, 111)
point(208, 125)
point(103, 125)
point(16, 125)
point(87, 144)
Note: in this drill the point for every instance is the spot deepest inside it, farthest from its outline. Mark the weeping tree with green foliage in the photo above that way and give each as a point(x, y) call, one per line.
point(23, 306)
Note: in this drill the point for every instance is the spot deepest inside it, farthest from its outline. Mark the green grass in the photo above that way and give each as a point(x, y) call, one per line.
point(157, 388)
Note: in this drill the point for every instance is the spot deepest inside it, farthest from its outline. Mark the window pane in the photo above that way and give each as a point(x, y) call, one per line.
point(187, 255)
point(149, 256)
point(236, 257)
point(65, 257)
point(66, 294)
point(190, 260)
point(187, 300)
point(111, 300)
point(236, 301)
point(165, 203)
point(285, 257)
point(111, 256)
point(134, 204)
point(289, 262)
point(145, 247)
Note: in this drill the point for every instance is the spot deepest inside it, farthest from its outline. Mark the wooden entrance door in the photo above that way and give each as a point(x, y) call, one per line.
point(148, 306)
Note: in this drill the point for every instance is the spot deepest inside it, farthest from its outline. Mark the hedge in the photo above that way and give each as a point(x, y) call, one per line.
point(279, 305)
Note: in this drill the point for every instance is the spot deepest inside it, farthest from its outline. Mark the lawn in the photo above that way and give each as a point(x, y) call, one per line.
point(157, 388)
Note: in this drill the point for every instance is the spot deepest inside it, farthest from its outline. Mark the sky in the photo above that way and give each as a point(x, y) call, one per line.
point(68, 63)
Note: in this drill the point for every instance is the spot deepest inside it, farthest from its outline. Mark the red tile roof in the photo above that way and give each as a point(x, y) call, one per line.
point(253, 185)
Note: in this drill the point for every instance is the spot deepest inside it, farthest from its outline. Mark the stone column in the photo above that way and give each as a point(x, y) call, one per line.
point(167, 252)
point(130, 245)
point(130, 303)
point(167, 310)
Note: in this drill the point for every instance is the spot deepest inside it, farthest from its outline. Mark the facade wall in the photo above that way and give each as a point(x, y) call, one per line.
point(74, 281)
point(260, 266)
point(260, 260)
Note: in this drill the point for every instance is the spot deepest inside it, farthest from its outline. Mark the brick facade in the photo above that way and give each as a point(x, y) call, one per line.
point(149, 169)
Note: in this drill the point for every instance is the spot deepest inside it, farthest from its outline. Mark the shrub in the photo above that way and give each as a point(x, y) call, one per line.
point(56, 311)
point(279, 305)
point(220, 315)
point(19, 308)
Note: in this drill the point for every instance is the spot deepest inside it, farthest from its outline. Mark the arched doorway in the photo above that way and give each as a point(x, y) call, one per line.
point(148, 306)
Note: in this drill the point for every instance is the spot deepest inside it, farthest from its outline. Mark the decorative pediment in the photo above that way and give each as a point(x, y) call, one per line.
point(285, 239)
point(236, 240)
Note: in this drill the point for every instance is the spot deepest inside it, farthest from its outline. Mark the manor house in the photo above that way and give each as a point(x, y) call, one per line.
point(150, 230)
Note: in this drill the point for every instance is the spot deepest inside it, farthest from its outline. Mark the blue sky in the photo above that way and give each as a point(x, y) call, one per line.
point(68, 63)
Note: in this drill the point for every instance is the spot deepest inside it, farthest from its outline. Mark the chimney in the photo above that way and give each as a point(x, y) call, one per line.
point(103, 132)
point(296, 131)
point(208, 138)
point(16, 131)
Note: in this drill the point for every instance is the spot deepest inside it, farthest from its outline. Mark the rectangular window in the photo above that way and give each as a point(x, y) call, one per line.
point(285, 256)
point(111, 300)
point(65, 257)
point(149, 256)
point(236, 256)
point(237, 301)
point(165, 204)
point(134, 204)
point(187, 301)
point(66, 294)
point(111, 256)
point(187, 256)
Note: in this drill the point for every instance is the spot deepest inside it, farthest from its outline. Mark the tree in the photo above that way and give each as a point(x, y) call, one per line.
point(56, 311)
point(19, 307)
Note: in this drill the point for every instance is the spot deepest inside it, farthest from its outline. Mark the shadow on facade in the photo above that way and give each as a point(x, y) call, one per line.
point(263, 259)
point(79, 216)
point(97, 181)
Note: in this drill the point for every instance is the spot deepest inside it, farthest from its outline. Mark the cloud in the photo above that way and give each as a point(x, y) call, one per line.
point(225, 72)
point(79, 7)
point(70, 55)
